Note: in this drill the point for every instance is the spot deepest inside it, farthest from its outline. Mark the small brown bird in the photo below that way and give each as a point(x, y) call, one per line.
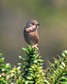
point(31, 34)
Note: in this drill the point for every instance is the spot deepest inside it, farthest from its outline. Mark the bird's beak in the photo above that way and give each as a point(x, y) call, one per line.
point(38, 24)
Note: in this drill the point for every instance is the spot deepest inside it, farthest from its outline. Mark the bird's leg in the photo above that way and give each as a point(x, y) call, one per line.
point(35, 46)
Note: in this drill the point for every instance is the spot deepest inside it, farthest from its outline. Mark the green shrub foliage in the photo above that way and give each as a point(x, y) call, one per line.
point(33, 66)
point(57, 72)
point(30, 69)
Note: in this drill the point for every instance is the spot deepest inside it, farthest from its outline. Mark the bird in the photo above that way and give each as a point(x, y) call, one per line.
point(31, 33)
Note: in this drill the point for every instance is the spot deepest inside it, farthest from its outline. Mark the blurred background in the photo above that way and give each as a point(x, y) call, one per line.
point(52, 16)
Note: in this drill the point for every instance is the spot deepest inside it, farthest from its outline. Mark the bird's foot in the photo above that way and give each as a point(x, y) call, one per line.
point(35, 46)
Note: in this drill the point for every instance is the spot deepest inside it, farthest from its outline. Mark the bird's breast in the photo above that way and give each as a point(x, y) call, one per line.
point(33, 33)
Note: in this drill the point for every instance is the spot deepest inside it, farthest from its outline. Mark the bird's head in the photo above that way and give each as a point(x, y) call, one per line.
point(32, 23)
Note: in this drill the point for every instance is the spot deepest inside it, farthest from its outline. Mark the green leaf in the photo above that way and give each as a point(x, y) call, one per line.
point(26, 50)
point(22, 58)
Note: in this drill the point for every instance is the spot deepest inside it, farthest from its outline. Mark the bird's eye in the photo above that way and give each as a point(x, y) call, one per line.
point(32, 23)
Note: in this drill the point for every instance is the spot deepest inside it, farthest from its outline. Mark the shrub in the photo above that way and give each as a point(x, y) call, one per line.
point(30, 69)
